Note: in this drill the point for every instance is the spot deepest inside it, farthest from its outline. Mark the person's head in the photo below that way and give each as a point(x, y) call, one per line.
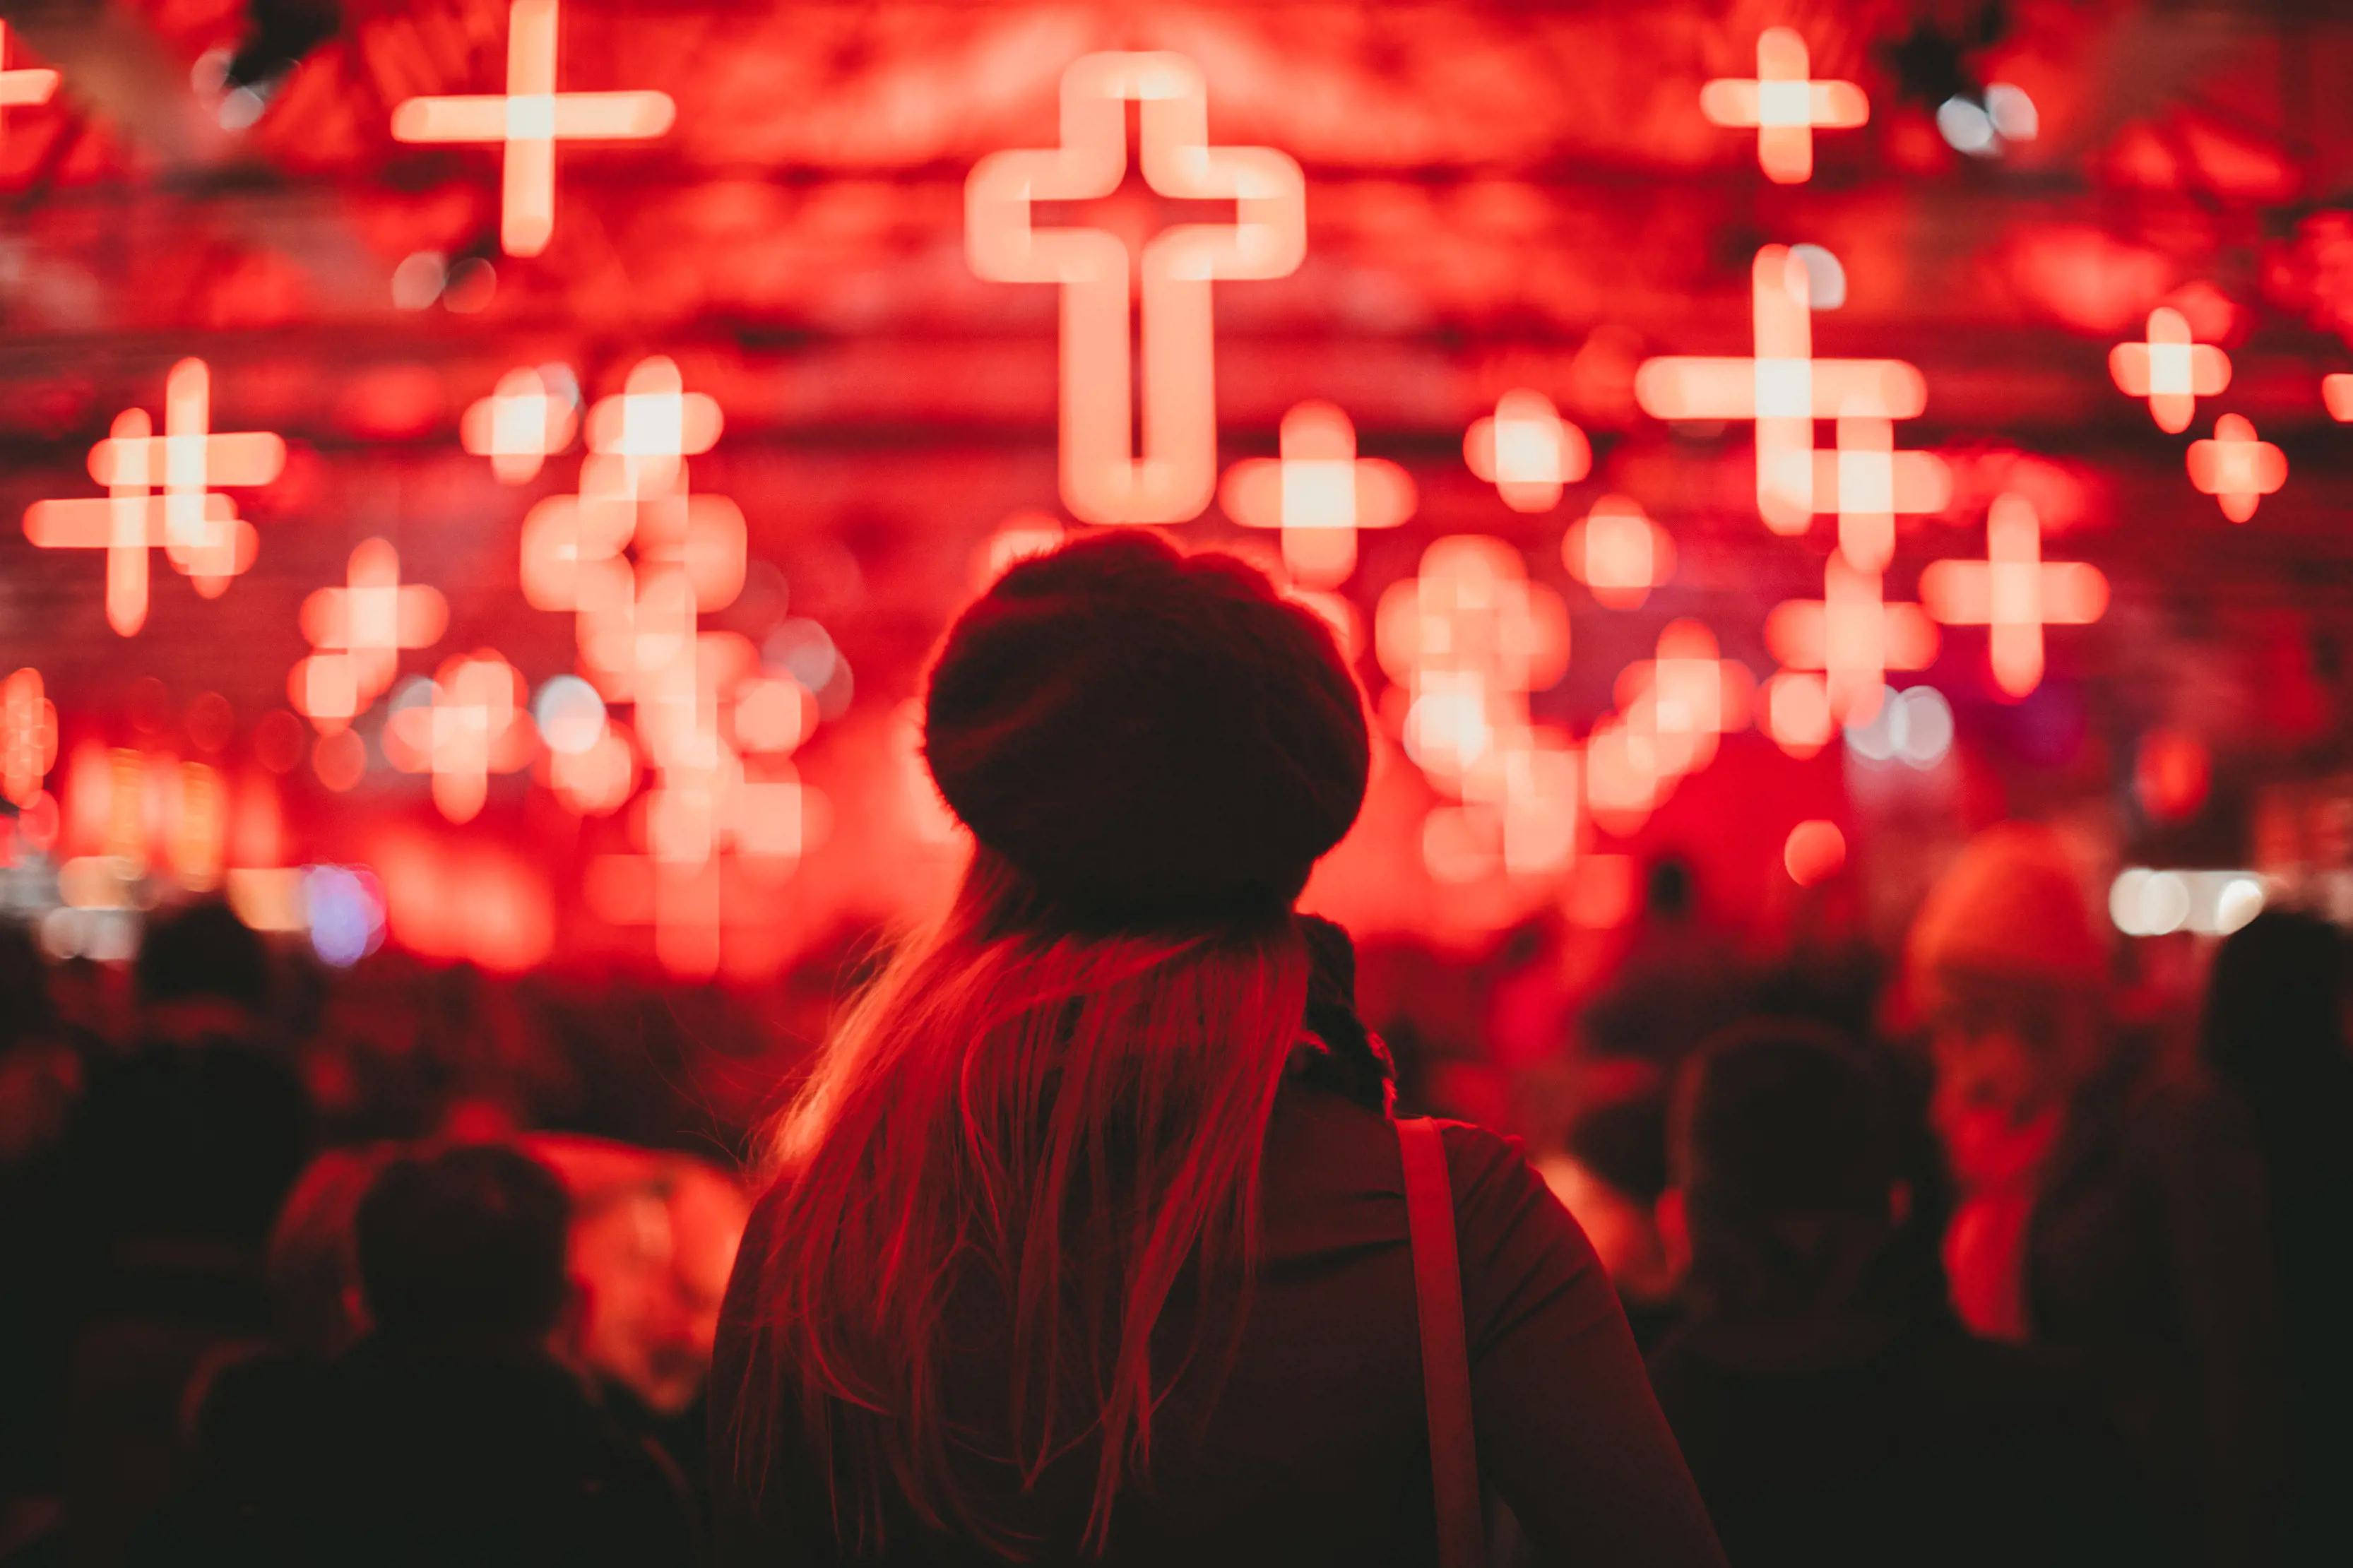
point(313, 1265)
point(1610, 1175)
point(2276, 1002)
point(201, 951)
point(464, 1248)
point(1152, 750)
point(1784, 1155)
point(2009, 970)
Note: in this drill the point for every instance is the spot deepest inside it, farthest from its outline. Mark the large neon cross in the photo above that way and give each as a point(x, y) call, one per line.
point(530, 117)
point(1103, 479)
point(199, 528)
point(1783, 106)
point(2014, 591)
point(1852, 636)
point(1319, 493)
point(26, 85)
point(1783, 387)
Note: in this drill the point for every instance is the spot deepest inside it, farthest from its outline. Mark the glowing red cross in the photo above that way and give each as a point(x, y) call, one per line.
point(653, 423)
point(530, 117)
point(25, 85)
point(1469, 639)
point(360, 630)
point(1783, 106)
point(473, 726)
point(2015, 591)
point(28, 737)
point(1868, 483)
point(1103, 480)
point(1319, 493)
point(1686, 697)
point(518, 426)
point(198, 529)
point(1853, 637)
point(2170, 370)
point(1783, 387)
point(1617, 551)
point(2236, 469)
point(1527, 450)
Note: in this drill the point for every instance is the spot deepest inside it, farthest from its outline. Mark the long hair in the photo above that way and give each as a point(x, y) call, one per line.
point(1060, 1120)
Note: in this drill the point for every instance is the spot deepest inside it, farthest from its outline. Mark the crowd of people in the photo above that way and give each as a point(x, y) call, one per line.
point(2034, 1283)
point(1955, 1258)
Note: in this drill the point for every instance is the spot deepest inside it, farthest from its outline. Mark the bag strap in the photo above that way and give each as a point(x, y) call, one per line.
point(1445, 1351)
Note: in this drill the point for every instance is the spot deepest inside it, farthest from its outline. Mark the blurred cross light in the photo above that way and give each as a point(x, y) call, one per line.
point(1914, 727)
point(2170, 370)
point(2014, 593)
point(197, 528)
point(524, 421)
point(1853, 636)
point(2236, 467)
point(358, 631)
point(1782, 387)
point(470, 724)
point(528, 119)
point(1527, 450)
point(1796, 712)
point(1104, 478)
point(2143, 901)
point(1618, 552)
point(1784, 106)
point(1319, 493)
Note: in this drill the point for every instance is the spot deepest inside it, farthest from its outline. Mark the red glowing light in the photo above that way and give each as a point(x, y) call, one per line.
point(2170, 370)
point(1618, 552)
point(28, 737)
point(1782, 387)
point(1527, 451)
point(1102, 479)
point(653, 423)
point(1798, 712)
point(1783, 106)
point(529, 119)
point(1853, 637)
point(1686, 698)
point(24, 84)
point(199, 528)
point(1469, 639)
point(360, 629)
point(474, 725)
point(339, 758)
point(2336, 395)
point(2171, 774)
point(518, 426)
point(2236, 469)
point(2014, 591)
point(1319, 493)
point(1813, 852)
point(1868, 483)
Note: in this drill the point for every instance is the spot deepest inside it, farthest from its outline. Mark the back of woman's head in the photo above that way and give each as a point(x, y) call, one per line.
point(1049, 1110)
point(2276, 1002)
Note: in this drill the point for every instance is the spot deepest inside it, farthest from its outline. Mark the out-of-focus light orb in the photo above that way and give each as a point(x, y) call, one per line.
point(240, 109)
point(1825, 278)
point(2337, 396)
point(2240, 900)
point(416, 282)
point(470, 287)
point(2164, 904)
point(2014, 115)
point(1813, 851)
point(1914, 727)
point(2171, 774)
point(2123, 900)
point(339, 759)
point(805, 650)
point(278, 740)
point(569, 713)
point(344, 907)
point(1798, 712)
point(1968, 128)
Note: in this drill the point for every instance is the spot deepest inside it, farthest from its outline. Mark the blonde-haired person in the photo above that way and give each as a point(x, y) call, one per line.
point(2111, 1200)
point(1083, 1247)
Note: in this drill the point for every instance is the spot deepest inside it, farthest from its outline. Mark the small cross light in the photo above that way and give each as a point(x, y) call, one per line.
point(1319, 493)
point(2014, 591)
point(474, 725)
point(1527, 450)
point(360, 630)
point(529, 119)
point(2170, 370)
point(1616, 551)
point(1853, 637)
point(518, 426)
point(1783, 106)
point(2235, 468)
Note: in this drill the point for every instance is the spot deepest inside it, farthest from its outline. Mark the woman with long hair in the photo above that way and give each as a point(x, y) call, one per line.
point(1087, 1236)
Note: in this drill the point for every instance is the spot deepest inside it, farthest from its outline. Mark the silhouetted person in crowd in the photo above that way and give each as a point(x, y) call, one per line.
point(1082, 1243)
point(2275, 1031)
point(1610, 1175)
point(1832, 1411)
point(449, 1434)
point(2110, 1207)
